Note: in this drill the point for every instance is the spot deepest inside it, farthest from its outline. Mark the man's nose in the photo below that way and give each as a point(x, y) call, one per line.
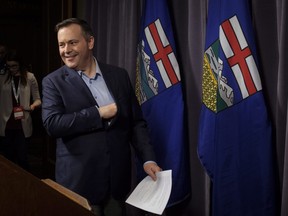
point(67, 48)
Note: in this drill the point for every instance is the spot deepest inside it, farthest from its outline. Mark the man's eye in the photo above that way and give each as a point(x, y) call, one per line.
point(61, 45)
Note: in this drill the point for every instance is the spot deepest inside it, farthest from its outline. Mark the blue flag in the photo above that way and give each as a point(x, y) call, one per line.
point(235, 144)
point(159, 91)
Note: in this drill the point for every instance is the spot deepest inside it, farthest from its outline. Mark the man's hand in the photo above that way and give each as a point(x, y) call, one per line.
point(151, 168)
point(108, 111)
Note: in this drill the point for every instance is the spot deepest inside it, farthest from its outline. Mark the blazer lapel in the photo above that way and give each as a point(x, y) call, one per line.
point(73, 78)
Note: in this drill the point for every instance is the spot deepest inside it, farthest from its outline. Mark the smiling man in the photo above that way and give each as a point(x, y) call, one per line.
point(91, 109)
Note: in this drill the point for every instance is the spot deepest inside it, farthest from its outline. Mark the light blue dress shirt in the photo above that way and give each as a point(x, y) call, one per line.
point(98, 87)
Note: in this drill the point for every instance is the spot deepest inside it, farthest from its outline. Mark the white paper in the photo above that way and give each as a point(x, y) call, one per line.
point(152, 196)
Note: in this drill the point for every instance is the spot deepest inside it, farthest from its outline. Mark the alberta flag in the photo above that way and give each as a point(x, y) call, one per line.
point(235, 145)
point(159, 91)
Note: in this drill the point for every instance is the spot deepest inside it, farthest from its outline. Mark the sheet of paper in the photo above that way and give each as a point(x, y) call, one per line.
point(152, 196)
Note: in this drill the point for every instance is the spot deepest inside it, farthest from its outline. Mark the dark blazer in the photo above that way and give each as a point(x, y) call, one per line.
point(92, 158)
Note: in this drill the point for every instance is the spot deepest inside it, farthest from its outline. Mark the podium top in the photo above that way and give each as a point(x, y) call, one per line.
point(70, 194)
point(23, 194)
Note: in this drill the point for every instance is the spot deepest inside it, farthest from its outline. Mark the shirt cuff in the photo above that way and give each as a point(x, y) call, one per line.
point(149, 162)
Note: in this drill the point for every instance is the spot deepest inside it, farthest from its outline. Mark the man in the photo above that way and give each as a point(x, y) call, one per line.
point(92, 110)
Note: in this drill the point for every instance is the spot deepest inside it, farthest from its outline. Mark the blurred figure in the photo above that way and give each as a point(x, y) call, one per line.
point(17, 86)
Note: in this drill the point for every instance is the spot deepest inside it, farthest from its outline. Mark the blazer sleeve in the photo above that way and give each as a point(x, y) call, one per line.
point(140, 131)
point(140, 138)
point(58, 119)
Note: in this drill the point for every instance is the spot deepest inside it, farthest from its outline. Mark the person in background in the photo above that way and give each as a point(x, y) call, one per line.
point(91, 108)
point(2, 59)
point(18, 88)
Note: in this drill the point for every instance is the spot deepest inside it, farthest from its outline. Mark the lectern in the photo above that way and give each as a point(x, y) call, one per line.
point(22, 194)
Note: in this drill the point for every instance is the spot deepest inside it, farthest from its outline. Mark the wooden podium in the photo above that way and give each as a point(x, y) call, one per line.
point(22, 194)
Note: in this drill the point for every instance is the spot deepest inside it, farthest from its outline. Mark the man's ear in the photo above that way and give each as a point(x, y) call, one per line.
point(91, 42)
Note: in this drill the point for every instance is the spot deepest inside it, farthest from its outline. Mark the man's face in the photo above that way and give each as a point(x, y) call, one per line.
point(74, 49)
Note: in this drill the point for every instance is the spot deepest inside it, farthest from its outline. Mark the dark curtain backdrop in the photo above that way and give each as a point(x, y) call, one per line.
point(116, 25)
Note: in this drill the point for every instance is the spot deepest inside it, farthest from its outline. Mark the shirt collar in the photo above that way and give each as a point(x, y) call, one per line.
point(98, 71)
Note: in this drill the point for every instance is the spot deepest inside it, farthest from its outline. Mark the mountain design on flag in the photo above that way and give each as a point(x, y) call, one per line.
point(167, 68)
point(218, 93)
point(147, 85)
